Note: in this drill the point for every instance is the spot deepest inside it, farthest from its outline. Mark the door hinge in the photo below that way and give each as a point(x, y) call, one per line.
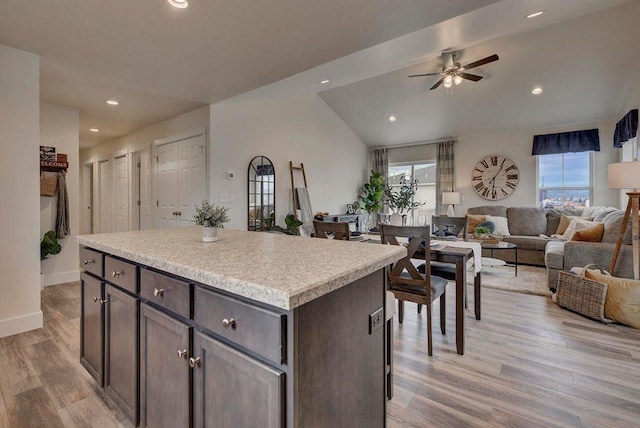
point(157, 203)
point(138, 165)
point(138, 202)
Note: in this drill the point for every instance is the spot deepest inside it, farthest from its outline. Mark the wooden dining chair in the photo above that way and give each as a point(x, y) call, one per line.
point(337, 230)
point(404, 280)
point(450, 226)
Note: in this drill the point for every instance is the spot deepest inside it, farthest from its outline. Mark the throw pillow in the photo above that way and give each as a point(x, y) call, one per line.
point(474, 221)
point(623, 298)
point(577, 224)
point(565, 220)
point(502, 226)
point(591, 234)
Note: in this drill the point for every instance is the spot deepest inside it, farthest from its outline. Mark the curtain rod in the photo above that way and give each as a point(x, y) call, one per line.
point(418, 143)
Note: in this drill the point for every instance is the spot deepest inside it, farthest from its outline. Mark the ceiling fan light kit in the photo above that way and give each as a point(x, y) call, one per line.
point(455, 73)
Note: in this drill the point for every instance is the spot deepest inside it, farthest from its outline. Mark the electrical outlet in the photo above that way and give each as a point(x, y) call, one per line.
point(376, 320)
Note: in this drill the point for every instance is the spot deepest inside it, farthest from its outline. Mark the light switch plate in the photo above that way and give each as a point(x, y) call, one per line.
point(376, 320)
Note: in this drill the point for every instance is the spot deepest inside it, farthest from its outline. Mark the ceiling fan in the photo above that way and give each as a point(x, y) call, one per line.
point(453, 73)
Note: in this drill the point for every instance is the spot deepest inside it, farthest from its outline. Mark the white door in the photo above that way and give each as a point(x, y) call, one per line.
point(181, 181)
point(144, 193)
point(121, 167)
point(87, 197)
point(192, 178)
point(104, 172)
point(167, 177)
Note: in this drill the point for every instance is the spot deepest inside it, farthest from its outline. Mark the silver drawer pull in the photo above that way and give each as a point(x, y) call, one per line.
point(158, 292)
point(116, 273)
point(99, 300)
point(183, 354)
point(226, 323)
point(86, 262)
point(194, 362)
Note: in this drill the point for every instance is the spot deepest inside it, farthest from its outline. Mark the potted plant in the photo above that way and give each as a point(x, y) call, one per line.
point(292, 225)
point(210, 217)
point(371, 195)
point(49, 245)
point(401, 200)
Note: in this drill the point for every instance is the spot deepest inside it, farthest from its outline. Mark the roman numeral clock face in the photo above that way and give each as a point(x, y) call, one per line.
point(495, 177)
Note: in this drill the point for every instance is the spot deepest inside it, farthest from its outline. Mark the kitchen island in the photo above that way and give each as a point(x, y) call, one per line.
point(256, 329)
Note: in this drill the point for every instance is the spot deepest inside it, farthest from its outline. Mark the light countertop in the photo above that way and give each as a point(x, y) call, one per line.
point(276, 269)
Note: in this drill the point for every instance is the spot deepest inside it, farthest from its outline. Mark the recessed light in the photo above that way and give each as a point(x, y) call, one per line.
point(112, 102)
point(94, 130)
point(325, 81)
point(392, 118)
point(537, 90)
point(180, 4)
point(534, 14)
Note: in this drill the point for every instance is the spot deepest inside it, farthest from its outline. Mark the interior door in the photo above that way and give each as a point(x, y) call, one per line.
point(167, 176)
point(181, 181)
point(192, 178)
point(144, 194)
point(121, 167)
point(104, 172)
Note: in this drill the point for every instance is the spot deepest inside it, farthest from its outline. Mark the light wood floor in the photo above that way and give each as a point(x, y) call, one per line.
point(528, 363)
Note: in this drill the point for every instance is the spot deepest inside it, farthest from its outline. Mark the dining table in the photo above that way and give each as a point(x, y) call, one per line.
point(458, 253)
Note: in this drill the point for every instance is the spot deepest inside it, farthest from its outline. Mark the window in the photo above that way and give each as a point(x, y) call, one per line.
point(425, 173)
point(564, 180)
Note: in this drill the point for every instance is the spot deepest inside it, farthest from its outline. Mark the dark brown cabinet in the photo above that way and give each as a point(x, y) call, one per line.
point(165, 375)
point(92, 326)
point(121, 345)
point(234, 390)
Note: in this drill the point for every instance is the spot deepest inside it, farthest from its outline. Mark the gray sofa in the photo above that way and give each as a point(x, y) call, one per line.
point(526, 224)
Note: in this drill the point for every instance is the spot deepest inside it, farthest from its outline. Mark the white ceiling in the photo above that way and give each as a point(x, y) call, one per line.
point(159, 61)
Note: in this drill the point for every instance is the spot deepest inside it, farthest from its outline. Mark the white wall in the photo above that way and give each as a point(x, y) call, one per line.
point(302, 129)
point(517, 146)
point(59, 129)
point(19, 187)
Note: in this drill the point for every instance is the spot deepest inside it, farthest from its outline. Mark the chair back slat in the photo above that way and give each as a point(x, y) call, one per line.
point(459, 226)
point(417, 236)
point(337, 230)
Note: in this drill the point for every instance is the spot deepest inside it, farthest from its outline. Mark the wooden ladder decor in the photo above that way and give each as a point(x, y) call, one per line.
point(296, 203)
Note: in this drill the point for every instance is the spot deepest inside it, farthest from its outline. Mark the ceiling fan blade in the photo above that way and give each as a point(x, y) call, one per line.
point(426, 74)
point(483, 61)
point(468, 76)
point(438, 83)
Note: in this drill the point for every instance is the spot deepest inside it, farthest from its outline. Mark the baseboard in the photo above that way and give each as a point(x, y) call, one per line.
point(11, 326)
point(60, 278)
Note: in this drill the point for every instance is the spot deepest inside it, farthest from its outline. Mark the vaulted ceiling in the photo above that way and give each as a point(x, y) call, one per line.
point(159, 61)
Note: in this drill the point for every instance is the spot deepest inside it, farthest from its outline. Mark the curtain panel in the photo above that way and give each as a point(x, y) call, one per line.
point(566, 142)
point(444, 172)
point(626, 128)
point(381, 162)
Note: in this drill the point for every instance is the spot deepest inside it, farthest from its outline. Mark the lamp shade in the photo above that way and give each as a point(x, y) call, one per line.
point(450, 198)
point(623, 175)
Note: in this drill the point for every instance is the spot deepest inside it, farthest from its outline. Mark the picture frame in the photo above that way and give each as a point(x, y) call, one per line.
point(350, 209)
point(47, 153)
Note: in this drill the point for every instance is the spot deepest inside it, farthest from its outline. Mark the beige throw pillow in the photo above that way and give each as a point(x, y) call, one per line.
point(565, 220)
point(474, 221)
point(591, 234)
point(577, 224)
point(623, 298)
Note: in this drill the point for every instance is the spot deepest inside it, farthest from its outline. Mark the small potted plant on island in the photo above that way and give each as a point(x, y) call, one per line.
point(210, 217)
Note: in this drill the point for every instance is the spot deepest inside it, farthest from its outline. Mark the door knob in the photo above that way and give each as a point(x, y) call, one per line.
point(182, 354)
point(194, 362)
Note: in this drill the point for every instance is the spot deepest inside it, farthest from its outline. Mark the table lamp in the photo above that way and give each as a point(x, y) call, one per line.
point(451, 199)
point(626, 175)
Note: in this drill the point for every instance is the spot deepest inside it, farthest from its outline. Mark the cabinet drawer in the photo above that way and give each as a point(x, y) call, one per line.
point(121, 273)
point(92, 261)
point(163, 290)
point(256, 329)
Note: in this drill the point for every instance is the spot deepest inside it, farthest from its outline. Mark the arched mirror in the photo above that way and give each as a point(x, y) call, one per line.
point(262, 194)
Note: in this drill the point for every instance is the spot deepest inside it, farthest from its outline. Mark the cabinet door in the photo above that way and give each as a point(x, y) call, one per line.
point(234, 390)
point(164, 370)
point(92, 326)
point(121, 350)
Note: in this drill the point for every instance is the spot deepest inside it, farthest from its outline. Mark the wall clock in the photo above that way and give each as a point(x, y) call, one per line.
point(495, 177)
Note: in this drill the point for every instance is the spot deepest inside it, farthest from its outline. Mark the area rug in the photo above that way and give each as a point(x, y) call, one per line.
point(530, 279)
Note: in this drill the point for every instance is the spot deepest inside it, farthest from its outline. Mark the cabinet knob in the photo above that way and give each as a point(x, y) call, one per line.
point(158, 292)
point(86, 262)
point(182, 354)
point(194, 362)
point(116, 273)
point(99, 300)
point(226, 323)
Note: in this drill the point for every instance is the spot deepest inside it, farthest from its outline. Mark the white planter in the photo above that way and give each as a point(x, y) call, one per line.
point(396, 219)
point(209, 234)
